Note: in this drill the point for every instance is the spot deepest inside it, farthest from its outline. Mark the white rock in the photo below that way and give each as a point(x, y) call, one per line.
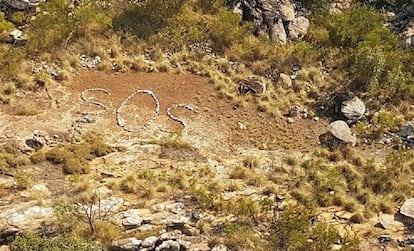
point(40, 188)
point(127, 244)
point(286, 80)
point(298, 27)
point(247, 192)
point(241, 126)
point(278, 34)
point(149, 242)
point(168, 245)
point(168, 236)
point(228, 195)
point(146, 227)
point(16, 34)
point(219, 247)
point(287, 10)
point(407, 209)
point(175, 219)
point(177, 207)
point(111, 204)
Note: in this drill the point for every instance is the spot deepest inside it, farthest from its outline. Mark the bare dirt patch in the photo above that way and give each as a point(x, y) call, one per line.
point(216, 125)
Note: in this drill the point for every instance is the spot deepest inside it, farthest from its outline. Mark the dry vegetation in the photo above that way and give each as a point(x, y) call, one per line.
point(201, 37)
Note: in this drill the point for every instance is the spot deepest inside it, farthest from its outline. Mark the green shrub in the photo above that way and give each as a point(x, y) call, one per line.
point(75, 165)
point(4, 24)
point(30, 242)
point(18, 17)
point(225, 30)
point(293, 230)
point(59, 22)
point(210, 6)
point(242, 237)
point(147, 19)
point(360, 24)
point(75, 156)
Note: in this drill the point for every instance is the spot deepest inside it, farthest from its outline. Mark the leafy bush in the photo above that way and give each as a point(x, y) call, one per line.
point(59, 22)
point(359, 24)
point(371, 53)
point(226, 30)
point(4, 24)
point(147, 19)
point(293, 229)
point(75, 157)
point(210, 6)
point(30, 242)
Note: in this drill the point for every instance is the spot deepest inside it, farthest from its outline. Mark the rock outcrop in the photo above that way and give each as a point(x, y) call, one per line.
point(348, 106)
point(19, 5)
point(340, 130)
point(339, 6)
point(252, 85)
point(278, 19)
point(402, 21)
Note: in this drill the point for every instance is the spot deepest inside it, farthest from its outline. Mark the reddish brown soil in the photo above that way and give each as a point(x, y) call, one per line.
point(216, 118)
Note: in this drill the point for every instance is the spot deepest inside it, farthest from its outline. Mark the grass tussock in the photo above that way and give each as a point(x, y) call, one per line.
point(74, 157)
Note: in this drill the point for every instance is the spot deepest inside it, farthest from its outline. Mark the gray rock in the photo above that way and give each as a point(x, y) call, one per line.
point(268, 16)
point(184, 244)
point(175, 219)
point(168, 236)
point(386, 220)
point(228, 195)
point(108, 205)
point(353, 109)
point(278, 33)
point(252, 85)
point(384, 238)
point(131, 218)
point(128, 244)
point(168, 245)
point(20, 5)
point(146, 227)
point(298, 27)
point(177, 207)
point(149, 242)
point(406, 130)
point(340, 130)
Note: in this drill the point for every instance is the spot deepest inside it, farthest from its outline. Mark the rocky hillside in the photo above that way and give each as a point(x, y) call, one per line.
point(206, 125)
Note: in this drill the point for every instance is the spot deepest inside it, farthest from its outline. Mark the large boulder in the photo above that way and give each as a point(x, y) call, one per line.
point(271, 17)
point(277, 33)
point(298, 27)
point(339, 6)
point(128, 244)
point(349, 106)
point(252, 85)
point(340, 130)
point(286, 9)
point(19, 5)
point(407, 209)
point(353, 109)
point(403, 22)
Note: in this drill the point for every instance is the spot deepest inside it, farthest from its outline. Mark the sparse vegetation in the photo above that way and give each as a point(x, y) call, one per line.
point(31, 242)
point(74, 157)
point(349, 51)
